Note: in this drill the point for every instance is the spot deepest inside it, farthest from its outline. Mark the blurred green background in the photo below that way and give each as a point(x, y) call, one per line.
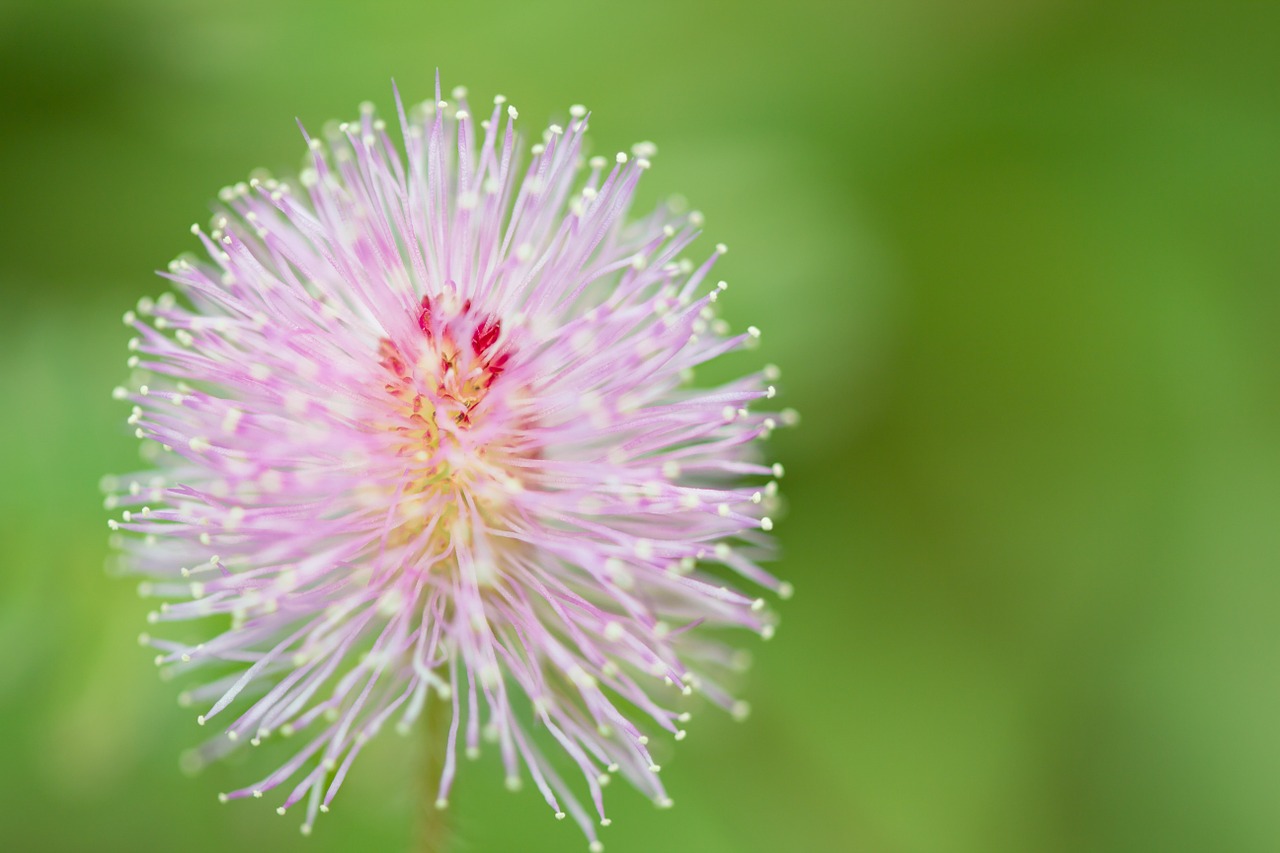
point(1019, 263)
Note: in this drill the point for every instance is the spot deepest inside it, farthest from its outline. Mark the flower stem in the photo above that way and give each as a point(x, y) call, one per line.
point(433, 824)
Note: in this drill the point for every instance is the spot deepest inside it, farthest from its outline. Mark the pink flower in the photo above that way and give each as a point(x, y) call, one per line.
point(423, 422)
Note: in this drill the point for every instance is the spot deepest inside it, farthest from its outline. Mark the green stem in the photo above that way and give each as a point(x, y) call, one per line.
point(433, 823)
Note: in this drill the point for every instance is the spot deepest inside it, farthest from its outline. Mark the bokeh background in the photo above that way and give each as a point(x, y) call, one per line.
point(1019, 263)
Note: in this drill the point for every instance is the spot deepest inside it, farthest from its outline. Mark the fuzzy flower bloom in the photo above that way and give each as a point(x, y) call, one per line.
point(422, 421)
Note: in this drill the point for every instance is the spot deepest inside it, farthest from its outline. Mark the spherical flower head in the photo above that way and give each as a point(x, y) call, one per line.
point(422, 422)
